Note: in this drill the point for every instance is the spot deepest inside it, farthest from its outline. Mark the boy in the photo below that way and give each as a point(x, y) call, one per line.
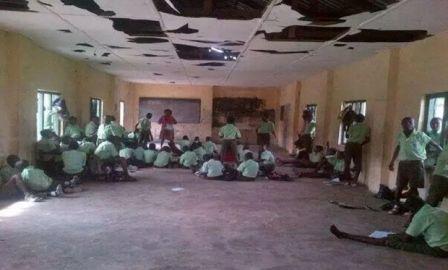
point(229, 134)
point(331, 167)
point(150, 155)
point(196, 140)
point(108, 157)
point(439, 184)
point(249, 168)
point(74, 162)
point(91, 128)
point(185, 142)
point(48, 151)
point(36, 181)
point(167, 121)
point(426, 234)
point(199, 150)
point(189, 159)
point(127, 152)
point(72, 129)
point(264, 131)
point(115, 128)
point(87, 146)
point(436, 136)
point(308, 132)
point(144, 127)
point(267, 161)
point(212, 169)
point(139, 155)
point(358, 135)
point(209, 146)
point(411, 152)
point(164, 158)
point(101, 133)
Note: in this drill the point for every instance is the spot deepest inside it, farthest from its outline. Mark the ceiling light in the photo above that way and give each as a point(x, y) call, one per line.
point(217, 50)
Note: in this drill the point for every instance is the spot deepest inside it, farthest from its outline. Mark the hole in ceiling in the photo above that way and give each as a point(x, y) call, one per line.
point(279, 52)
point(372, 36)
point(68, 31)
point(14, 5)
point(88, 5)
point(153, 55)
point(45, 4)
point(189, 52)
point(138, 27)
point(211, 64)
point(222, 10)
point(339, 45)
point(158, 74)
point(85, 45)
point(118, 47)
point(105, 54)
point(219, 43)
point(147, 40)
point(183, 30)
point(79, 51)
point(106, 63)
point(305, 33)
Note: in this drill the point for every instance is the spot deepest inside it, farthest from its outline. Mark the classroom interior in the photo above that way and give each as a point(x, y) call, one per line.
point(386, 58)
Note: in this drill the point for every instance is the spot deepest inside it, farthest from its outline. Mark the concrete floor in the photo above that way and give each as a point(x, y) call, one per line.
point(208, 225)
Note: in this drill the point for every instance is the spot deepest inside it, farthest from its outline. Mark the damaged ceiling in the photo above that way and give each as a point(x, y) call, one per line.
point(221, 42)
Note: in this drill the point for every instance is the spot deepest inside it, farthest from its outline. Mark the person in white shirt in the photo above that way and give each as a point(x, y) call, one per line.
point(267, 161)
point(248, 170)
point(212, 169)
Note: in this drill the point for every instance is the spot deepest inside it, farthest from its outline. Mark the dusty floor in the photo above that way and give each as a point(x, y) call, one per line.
point(208, 225)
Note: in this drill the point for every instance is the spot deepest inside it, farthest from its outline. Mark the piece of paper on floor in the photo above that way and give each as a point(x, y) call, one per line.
point(177, 189)
point(380, 234)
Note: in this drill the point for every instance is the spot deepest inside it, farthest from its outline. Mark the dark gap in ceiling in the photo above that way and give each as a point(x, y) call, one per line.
point(189, 52)
point(196, 77)
point(147, 40)
point(331, 11)
point(45, 4)
point(172, 82)
point(118, 47)
point(183, 30)
point(68, 31)
point(89, 5)
point(306, 33)
point(138, 27)
point(106, 63)
point(211, 64)
point(153, 55)
point(279, 52)
point(219, 9)
point(211, 69)
point(204, 41)
point(233, 43)
point(15, 5)
point(228, 43)
point(351, 48)
point(340, 45)
point(85, 45)
point(79, 51)
point(105, 54)
point(158, 74)
point(372, 36)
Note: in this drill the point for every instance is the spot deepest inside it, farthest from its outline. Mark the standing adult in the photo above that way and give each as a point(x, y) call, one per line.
point(167, 130)
point(264, 131)
point(357, 135)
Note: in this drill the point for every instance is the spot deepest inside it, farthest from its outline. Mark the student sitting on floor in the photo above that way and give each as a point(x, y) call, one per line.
point(150, 155)
point(91, 129)
point(439, 184)
point(185, 142)
point(189, 159)
point(164, 158)
point(48, 151)
point(87, 146)
point(74, 162)
point(199, 150)
point(209, 146)
point(248, 170)
point(312, 161)
point(196, 140)
point(243, 151)
point(139, 155)
point(331, 167)
point(426, 234)
point(36, 181)
point(267, 161)
point(73, 130)
point(127, 152)
point(108, 157)
point(212, 168)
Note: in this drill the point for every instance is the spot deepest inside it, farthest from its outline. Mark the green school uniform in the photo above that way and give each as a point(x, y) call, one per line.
point(73, 131)
point(91, 129)
point(139, 153)
point(101, 133)
point(150, 156)
point(36, 179)
point(315, 157)
point(184, 143)
point(210, 147)
point(267, 157)
point(126, 153)
point(144, 124)
point(87, 147)
point(106, 151)
point(249, 168)
point(47, 145)
point(115, 129)
point(310, 129)
point(441, 168)
point(358, 133)
point(213, 168)
point(188, 159)
point(338, 164)
point(74, 161)
point(200, 152)
point(431, 223)
point(432, 152)
point(6, 173)
point(412, 147)
point(163, 159)
point(266, 127)
point(229, 132)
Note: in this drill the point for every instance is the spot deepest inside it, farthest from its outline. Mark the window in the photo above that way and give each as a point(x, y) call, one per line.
point(435, 106)
point(313, 109)
point(122, 113)
point(46, 115)
point(359, 107)
point(96, 107)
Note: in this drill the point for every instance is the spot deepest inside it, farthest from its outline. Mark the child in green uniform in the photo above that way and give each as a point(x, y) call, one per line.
point(150, 155)
point(189, 159)
point(73, 130)
point(431, 152)
point(248, 170)
point(411, 152)
point(267, 161)
point(185, 142)
point(144, 128)
point(209, 146)
point(91, 129)
point(139, 155)
point(331, 167)
point(426, 234)
point(74, 162)
point(48, 152)
point(358, 135)
point(439, 184)
point(164, 158)
point(199, 151)
point(37, 182)
point(229, 134)
point(264, 132)
point(212, 168)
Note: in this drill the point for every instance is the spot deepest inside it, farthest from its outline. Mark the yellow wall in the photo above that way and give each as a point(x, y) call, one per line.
point(29, 68)
point(287, 129)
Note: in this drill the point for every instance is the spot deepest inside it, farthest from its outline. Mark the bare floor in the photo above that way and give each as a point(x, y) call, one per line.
point(207, 225)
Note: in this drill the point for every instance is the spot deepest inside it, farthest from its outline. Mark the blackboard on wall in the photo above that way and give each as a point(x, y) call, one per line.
point(186, 111)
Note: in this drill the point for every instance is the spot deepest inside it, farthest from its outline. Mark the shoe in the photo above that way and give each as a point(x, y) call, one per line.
point(33, 198)
point(75, 181)
point(57, 192)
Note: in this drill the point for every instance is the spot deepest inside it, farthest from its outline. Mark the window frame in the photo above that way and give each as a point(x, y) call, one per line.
point(426, 120)
point(41, 127)
point(121, 112)
point(342, 139)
